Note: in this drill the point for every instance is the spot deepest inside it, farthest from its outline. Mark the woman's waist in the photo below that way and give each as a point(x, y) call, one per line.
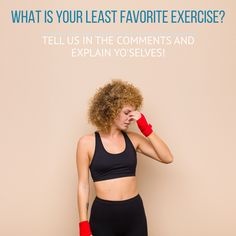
point(117, 189)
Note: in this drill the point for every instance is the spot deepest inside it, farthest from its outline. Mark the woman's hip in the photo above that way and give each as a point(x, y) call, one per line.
point(116, 209)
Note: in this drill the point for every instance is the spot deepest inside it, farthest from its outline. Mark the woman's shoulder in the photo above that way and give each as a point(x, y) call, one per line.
point(86, 138)
point(87, 142)
point(134, 138)
point(133, 134)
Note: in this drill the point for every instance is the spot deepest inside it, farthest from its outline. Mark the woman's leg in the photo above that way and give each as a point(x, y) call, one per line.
point(136, 219)
point(101, 221)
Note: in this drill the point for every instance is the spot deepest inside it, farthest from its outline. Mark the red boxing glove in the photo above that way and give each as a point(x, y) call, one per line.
point(144, 127)
point(84, 228)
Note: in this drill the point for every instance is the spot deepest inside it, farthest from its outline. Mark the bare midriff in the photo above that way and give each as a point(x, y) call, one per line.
point(117, 189)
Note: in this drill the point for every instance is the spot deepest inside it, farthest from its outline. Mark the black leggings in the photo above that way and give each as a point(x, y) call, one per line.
point(118, 218)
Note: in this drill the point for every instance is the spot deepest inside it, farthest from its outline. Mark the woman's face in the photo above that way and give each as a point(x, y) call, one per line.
point(122, 121)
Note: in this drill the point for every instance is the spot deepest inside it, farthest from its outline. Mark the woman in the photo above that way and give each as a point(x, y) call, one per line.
point(110, 155)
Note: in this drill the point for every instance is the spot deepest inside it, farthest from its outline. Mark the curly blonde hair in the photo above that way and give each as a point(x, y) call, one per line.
point(108, 101)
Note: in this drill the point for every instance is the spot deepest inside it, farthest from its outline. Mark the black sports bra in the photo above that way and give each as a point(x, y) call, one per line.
point(105, 165)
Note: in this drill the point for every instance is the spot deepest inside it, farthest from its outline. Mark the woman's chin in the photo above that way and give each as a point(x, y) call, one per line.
point(126, 127)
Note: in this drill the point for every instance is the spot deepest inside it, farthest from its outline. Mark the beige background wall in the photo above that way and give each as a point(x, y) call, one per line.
point(189, 98)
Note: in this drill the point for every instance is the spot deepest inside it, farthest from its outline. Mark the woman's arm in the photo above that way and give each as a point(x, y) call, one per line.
point(152, 146)
point(82, 161)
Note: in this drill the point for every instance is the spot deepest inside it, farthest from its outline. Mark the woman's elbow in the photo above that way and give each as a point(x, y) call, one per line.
point(170, 159)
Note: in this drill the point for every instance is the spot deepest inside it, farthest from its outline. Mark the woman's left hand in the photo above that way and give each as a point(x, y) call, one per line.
point(142, 123)
point(134, 115)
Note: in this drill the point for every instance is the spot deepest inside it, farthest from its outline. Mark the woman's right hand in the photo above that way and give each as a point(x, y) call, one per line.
point(84, 228)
